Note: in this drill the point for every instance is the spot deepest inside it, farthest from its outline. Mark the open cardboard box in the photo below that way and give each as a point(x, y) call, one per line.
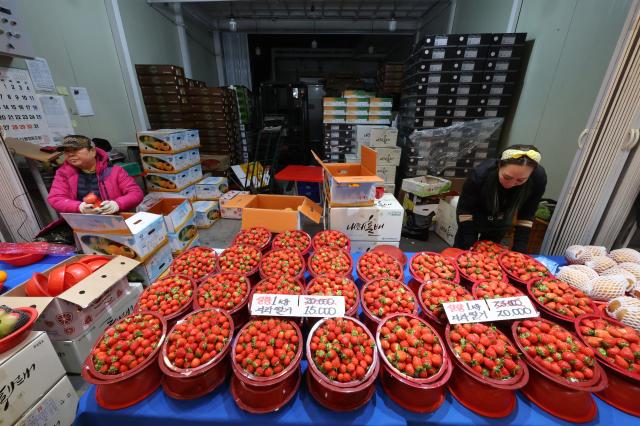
point(72, 312)
point(177, 212)
point(351, 184)
point(277, 213)
point(131, 235)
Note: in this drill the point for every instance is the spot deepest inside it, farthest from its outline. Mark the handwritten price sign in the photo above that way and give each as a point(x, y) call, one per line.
point(322, 306)
point(281, 305)
point(507, 308)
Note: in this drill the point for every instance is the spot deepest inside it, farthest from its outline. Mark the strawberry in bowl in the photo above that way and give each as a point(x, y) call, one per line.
point(478, 267)
point(328, 260)
point(433, 294)
point(282, 262)
point(195, 263)
point(241, 259)
point(559, 299)
point(374, 265)
point(426, 266)
point(169, 297)
point(294, 239)
point(335, 285)
point(488, 248)
point(494, 289)
point(331, 238)
point(522, 268)
point(256, 236)
point(385, 296)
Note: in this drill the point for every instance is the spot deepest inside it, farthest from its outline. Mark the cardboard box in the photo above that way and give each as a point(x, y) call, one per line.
point(334, 102)
point(365, 246)
point(380, 222)
point(387, 173)
point(165, 141)
point(206, 213)
point(389, 188)
point(134, 236)
point(446, 223)
point(27, 371)
point(72, 312)
point(188, 192)
point(379, 120)
point(357, 102)
point(351, 184)
point(426, 186)
point(211, 188)
point(334, 111)
point(57, 407)
point(72, 353)
point(215, 163)
point(381, 102)
point(384, 137)
point(333, 119)
point(149, 270)
point(230, 212)
point(389, 156)
point(423, 206)
point(382, 112)
point(179, 240)
point(357, 94)
point(277, 213)
point(363, 134)
point(170, 163)
point(176, 213)
point(357, 119)
point(173, 181)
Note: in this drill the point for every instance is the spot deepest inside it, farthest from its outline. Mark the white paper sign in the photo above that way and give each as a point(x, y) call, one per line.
point(501, 309)
point(40, 74)
point(286, 305)
point(57, 115)
point(82, 101)
point(322, 306)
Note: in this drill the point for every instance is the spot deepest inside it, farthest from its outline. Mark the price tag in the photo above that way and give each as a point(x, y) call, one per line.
point(275, 305)
point(467, 311)
point(510, 308)
point(507, 308)
point(322, 306)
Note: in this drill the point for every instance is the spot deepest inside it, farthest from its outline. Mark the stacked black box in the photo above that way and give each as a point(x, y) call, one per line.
point(451, 79)
point(339, 139)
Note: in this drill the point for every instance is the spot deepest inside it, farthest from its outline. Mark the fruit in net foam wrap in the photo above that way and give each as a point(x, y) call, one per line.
point(626, 310)
point(625, 255)
point(11, 320)
point(342, 350)
point(584, 269)
point(485, 349)
point(608, 287)
point(582, 254)
point(575, 278)
point(601, 263)
point(435, 293)
point(620, 346)
point(559, 297)
point(617, 270)
point(634, 268)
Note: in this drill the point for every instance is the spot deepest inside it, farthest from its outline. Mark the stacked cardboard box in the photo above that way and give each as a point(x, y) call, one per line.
point(245, 113)
point(383, 140)
point(390, 77)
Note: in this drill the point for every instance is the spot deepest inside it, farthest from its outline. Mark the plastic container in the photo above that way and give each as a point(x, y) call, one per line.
point(392, 251)
point(338, 396)
point(252, 274)
point(557, 396)
point(467, 279)
point(21, 259)
point(192, 383)
point(20, 334)
point(349, 312)
point(413, 394)
point(304, 252)
point(239, 313)
point(266, 274)
point(96, 263)
point(623, 391)
point(511, 276)
point(76, 272)
point(456, 274)
point(265, 247)
point(426, 313)
point(347, 256)
point(550, 313)
point(37, 285)
point(364, 279)
point(259, 395)
point(118, 391)
point(451, 252)
point(55, 281)
point(368, 317)
point(186, 307)
point(174, 266)
point(315, 244)
point(485, 396)
point(477, 284)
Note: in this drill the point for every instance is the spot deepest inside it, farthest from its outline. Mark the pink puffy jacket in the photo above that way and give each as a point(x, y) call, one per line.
point(114, 182)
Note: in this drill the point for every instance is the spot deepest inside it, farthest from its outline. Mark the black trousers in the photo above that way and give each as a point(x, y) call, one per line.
point(495, 235)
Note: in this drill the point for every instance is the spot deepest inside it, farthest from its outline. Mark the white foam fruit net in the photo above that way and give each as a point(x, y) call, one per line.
point(625, 255)
point(600, 263)
point(575, 278)
point(608, 287)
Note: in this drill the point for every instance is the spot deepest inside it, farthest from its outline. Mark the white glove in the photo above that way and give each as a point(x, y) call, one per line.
point(108, 207)
point(86, 208)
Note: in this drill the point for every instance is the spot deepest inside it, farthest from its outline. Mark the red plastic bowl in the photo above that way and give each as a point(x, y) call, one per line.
point(313, 273)
point(314, 241)
point(451, 252)
point(427, 314)
point(420, 280)
point(564, 319)
point(363, 279)
point(21, 259)
point(264, 247)
point(512, 277)
point(76, 272)
point(37, 285)
point(20, 334)
point(464, 276)
point(392, 251)
point(414, 394)
point(186, 308)
point(371, 320)
point(55, 281)
point(192, 383)
point(266, 274)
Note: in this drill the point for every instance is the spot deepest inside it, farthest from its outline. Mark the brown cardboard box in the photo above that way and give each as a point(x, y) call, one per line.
point(208, 91)
point(167, 109)
point(216, 108)
point(159, 70)
point(164, 90)
point(155, 80)
point(207, 100)
point(165, 99)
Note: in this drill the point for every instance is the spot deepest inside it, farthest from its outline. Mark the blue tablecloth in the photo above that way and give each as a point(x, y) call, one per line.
point(16, 275)
point(219, 408)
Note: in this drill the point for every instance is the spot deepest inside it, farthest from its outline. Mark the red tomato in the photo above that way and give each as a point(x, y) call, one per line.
point(287, 262)
point(166, 296)
point(330, 260)
point(331, 238)
point(436, 292)
point(385, 296)
point(195, 263)
point(258, 237)
point(243, 259)
point(294, 239)
point(224, 290)
point(430, 266)
point(335, 285)
point(374, 265)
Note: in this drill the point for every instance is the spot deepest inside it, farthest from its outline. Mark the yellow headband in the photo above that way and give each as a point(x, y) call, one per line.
point(516, 153)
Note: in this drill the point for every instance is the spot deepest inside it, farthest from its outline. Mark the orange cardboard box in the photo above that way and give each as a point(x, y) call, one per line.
point(277, 213)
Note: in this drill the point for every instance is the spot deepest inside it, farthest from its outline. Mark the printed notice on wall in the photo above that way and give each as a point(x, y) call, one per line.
point(82, 101)
point(57, 115)
point(40, 74)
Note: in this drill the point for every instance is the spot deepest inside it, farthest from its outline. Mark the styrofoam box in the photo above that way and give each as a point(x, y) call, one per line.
point(365, 246)
point(380, 222)
point(26, 373)
point(57, 407)
point(388, 173)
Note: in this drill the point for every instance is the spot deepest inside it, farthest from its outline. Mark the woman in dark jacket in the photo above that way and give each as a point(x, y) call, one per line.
point(497, 191)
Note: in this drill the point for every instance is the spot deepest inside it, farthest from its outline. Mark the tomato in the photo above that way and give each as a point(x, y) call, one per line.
point(335, 285)
point(224, 290)
point(494, 289)
point(488, 248)
point(555, 350)
point(522, 267)
point(385, 296)
point(288, 262)
point(478, 267)
point(266, 347)
point(243, 259)
point(195, 263)
point(297, 240)
point(331, 238)
point(488, 351)
point(127, 344)
point(430, 266)
point(197, 339)
point(279, 285)
point(617, 344)
point(258, 237)
point(92, 199)
point(436, 292)
point(328, 260)
point(374, 265)
point(411, 346)
point(559, 297)
point(166, 296)
point(342, 350)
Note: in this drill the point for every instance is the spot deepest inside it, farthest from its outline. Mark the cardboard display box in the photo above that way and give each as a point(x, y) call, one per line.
point(231, 211)
point(211, 188)
point(446, 223)
point(26, 372)
point(73, 311)
point(72, 353)
point(363, 133)
point(426, 186)
point(423, 206)
point(173, 181)
point(340, 102)
point(166, 141)
point(365, 246)
point(277, 213)
point(381, 138)
point(389, 156)
point(57, 407)
point(206, 213)
point(170, 163)
point(215, 163)
point(134, 236)
point(380, 222)
point(351, 184)
point(149, 270)
point(387, 173)
point(176, 212)
point(188, 192)
point(181, 239)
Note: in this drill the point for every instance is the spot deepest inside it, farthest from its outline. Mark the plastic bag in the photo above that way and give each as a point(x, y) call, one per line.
point(36, 248)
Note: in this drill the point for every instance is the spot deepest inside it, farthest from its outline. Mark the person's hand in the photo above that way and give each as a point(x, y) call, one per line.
point(86, 208)
point(108, 207)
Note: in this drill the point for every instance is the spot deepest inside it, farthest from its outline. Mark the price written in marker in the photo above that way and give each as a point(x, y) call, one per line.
point(322, 306)
point(501, 309)
point(281, 305)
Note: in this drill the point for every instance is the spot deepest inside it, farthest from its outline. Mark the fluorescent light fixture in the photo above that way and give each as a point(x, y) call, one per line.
point(314, 44)
point(393, 24)
point(233, 25)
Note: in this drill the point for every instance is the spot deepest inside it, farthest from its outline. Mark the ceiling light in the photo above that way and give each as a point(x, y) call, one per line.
point(258, 51)
point(314, 44)
point(233, 25)
point(393, 24)
point(371, 49)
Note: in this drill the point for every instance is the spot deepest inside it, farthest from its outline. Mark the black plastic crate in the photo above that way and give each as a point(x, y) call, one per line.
point(338, 127)
point(497, 89)
point(503, 64)
point(508, 38)
point(456, 171)
point(339, 142)
point(428, 66)
point(339, 134)
point(444, 40)
point(505, 52)
point(457, 52)
point(500, 77)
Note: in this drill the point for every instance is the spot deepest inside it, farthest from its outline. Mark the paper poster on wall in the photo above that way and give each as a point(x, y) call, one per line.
point(21, 116)
point(40, 74)
point(57, 115)
point(82, 101)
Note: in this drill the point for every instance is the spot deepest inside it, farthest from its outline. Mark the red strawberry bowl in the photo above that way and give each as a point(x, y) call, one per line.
point(195, 263)
point(330, 260)
point(331, 238)
point(257, 236)
point(384, 296)
point(228, 291)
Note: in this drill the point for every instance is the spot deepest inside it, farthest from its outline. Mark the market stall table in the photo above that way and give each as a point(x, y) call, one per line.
point(220, 408)
point(301, 175)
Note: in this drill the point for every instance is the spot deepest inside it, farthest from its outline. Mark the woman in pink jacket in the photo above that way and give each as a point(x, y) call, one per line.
point(87, 170)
